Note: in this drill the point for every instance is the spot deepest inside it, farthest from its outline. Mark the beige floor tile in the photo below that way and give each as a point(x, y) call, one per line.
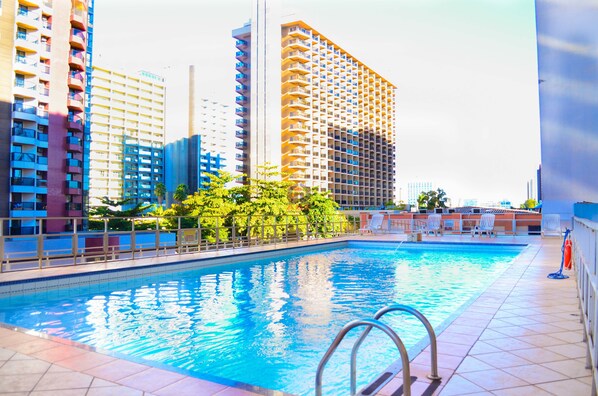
point(521, 391)
point(116, 370)
point(449, 348)
point(36, 345)
point(539, 355)
point(235, 392)
point(6, 354)
point(456, 338)
point(86, 361)
point(567, 387)
point(570, 368)
point(494, 379)
point(59, 353)
point(64, 380)
point(541, 340)
point(458, 385)
point(490, 334)
point(20, 382)
point(572, 351)
point(572, 337)
point(151, 380)
point(60, 392)
point(482, 347)
point(115, 390)
point(470, 364)
point(514, 331)
point(32, 366)
point(543, 328)
point(509, 344)
point(502, 359)
point(190, 386)
point(535, 374)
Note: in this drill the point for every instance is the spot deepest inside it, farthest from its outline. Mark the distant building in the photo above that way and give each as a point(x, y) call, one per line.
point(45, 54)
point(334, 126)
point(414, 189)
point(127, 136)
point(215, 123)
point(567, 46)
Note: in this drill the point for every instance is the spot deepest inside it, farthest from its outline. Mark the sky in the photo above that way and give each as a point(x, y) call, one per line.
point(467, 116)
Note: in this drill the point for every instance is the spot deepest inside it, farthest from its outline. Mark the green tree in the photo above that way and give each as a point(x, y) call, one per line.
point(321, 212)
point(529, 204)
point(432, 199)
point(181, 193)
point(268, 210)
point(160, 192)
point(119, 219)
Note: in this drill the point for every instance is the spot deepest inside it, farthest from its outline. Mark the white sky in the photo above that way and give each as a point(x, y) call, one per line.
point(467, 98)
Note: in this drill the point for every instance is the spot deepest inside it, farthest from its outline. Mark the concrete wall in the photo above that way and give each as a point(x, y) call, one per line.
point(568, 73)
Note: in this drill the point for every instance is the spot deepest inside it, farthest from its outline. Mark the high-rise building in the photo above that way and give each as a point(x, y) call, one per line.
point(215, 124)
point(567, 46)
point(45, 49)
point(337, 117)
point(127, 136)
point(414, 189)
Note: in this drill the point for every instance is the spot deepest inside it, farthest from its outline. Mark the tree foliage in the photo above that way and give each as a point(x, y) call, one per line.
point(322, 212)
point(160, 192)
point(119, 219)
point(432, 199)
point(529, 204)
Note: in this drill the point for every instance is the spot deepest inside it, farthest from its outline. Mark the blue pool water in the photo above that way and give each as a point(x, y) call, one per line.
point(268, 322)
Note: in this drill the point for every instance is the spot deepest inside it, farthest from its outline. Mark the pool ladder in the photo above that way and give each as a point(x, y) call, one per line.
point(386, 377)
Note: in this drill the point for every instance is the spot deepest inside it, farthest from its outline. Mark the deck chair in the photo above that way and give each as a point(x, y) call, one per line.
point(374, 225)
point(486, 225)
point(551, 225)
point(433, 224)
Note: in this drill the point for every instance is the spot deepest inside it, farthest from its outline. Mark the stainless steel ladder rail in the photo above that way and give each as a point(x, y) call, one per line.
point(405, 308)
point(369, 323)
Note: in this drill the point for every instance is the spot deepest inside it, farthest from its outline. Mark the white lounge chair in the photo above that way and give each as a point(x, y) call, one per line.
point(433, 224)
point(486, 225)
point(374, 225)
point(551, 225)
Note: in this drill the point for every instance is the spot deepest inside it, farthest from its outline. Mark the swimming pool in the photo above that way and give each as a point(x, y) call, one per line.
point(267, 322)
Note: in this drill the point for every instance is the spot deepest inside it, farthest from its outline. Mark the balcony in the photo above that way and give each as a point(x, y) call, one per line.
point(299, 44)
point(73, 163)
point(297, 67)
point(242, 66)
point(72, 187)
point(76, 80)
point(299, 115)
point(241, 134)
point(242, 168)
point(241, 156)
point(242, 44)
point(241, 77)
point(241, 55)
point(25, 88)
point(241, 111)
point(299, 140)
point(73, 209)
point(240, 88)
point(22, 160)
point(297, 56)
point(298, 91)
point(77, 59)
point(299, 103)
point(44, 72)
point(26, 42)
point(75, 102)
point(75, 123)
point(241, 99)
point(27, 19)
point(297, 176)
point(241, 145)
point(23, 135)
point(79, 18)
point(28, 209)
point(24, 112)
point(299, 32)
point(78, 39)
point(241, 122)
point(299, 80)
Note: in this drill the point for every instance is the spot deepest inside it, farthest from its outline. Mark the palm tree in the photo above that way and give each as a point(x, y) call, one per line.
point(160, 192)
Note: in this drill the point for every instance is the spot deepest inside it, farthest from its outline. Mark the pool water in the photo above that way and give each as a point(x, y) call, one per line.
point(268, 322)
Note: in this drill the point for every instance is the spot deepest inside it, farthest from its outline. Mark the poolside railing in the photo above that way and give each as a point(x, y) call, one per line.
point(110, 239)
point(585, 246)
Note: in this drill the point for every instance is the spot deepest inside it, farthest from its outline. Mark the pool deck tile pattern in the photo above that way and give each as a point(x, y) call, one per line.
point(522, 336)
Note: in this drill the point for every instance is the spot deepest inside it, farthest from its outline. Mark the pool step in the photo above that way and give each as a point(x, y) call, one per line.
point(377, 385)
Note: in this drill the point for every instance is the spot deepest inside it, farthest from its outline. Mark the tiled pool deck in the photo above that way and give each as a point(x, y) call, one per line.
point(520, 337)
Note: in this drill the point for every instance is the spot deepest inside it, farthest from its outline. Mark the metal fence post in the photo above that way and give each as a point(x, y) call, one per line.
point(75, 242)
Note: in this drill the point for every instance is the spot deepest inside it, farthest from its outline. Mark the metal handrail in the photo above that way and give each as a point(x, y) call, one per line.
point(370, 323)
point(381, 312)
